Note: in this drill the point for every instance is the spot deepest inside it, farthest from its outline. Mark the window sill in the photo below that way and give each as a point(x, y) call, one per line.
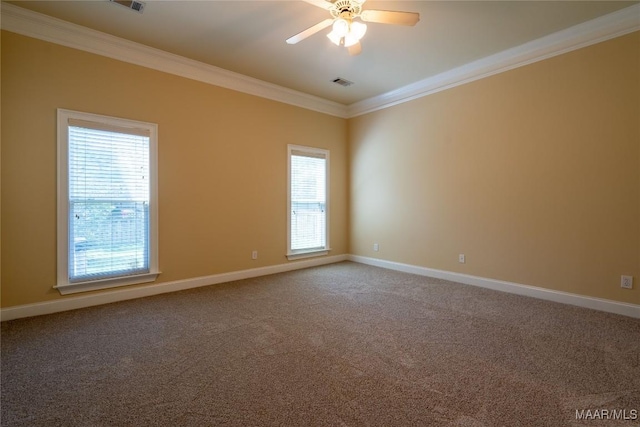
point(94, 285)
point(308, 254)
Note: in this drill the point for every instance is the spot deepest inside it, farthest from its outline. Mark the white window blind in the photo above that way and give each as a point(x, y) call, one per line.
point(107, 187)
point(308, 195)
point(108, 203)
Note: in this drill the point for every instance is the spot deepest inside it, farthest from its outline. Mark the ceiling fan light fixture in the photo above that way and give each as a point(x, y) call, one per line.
point(358, 29)
point(350, 41)
point(336, 39)
point(344, 30)
point(354, 32)
point(341, 27)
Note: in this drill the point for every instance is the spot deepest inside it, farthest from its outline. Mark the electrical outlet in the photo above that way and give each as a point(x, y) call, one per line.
point(462, 259)
point(376, 247)
point(254, 255)
point(626, 282)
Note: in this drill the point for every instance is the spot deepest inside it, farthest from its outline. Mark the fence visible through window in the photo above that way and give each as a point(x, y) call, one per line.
point(109, 237)
point(308, 225)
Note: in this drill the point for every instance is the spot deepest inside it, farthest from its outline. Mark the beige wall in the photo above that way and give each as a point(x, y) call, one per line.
point(534, 174)
point(222, 164)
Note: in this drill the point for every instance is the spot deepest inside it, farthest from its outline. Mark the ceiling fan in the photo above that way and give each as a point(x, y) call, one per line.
point(346, 30)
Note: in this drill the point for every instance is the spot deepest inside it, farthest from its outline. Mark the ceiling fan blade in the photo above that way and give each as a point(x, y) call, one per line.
point(310, 31)
point(355, 49)
point(390, 17)
point(324, 4)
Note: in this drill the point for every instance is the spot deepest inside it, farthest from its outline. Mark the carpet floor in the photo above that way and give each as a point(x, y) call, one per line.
point(338, 345)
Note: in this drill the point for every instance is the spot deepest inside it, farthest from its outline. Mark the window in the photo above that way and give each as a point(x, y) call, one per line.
point(107, 209)
point(308, 202)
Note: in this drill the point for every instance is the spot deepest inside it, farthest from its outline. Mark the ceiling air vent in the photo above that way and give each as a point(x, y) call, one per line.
point(138, 6)
point(342, 82)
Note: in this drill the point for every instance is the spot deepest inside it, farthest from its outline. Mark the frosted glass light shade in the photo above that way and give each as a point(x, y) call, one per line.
point(358, 29)
point(354, 32)
point(341, 27)
point(335, 39)
point(350, 40)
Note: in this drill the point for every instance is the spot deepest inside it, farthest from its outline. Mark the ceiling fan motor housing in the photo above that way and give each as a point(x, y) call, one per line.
point(343, 7)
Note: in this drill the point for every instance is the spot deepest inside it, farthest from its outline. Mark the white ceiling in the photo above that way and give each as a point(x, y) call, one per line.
point(248, 37)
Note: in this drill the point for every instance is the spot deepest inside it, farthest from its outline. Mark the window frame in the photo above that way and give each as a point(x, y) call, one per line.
point(293, 254)
point(64, 285)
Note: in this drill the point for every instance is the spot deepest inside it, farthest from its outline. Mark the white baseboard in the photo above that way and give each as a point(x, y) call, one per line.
point(72, 303)
point(127, 293)
point(600, 304)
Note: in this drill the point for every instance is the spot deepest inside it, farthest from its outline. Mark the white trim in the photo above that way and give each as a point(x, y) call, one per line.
point(43, 27)
point(95, 285)
point(39, 26)
point(616, 24)
point(123, 294)
point(319, 152)
point(64, 285)
point(625, 309)
point(307, 254)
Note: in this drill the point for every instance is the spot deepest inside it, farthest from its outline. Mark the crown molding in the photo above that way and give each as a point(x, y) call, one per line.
point(616, 24)
point(43, 27)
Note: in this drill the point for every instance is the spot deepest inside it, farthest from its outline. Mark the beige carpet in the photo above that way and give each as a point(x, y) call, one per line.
point(339, 345)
